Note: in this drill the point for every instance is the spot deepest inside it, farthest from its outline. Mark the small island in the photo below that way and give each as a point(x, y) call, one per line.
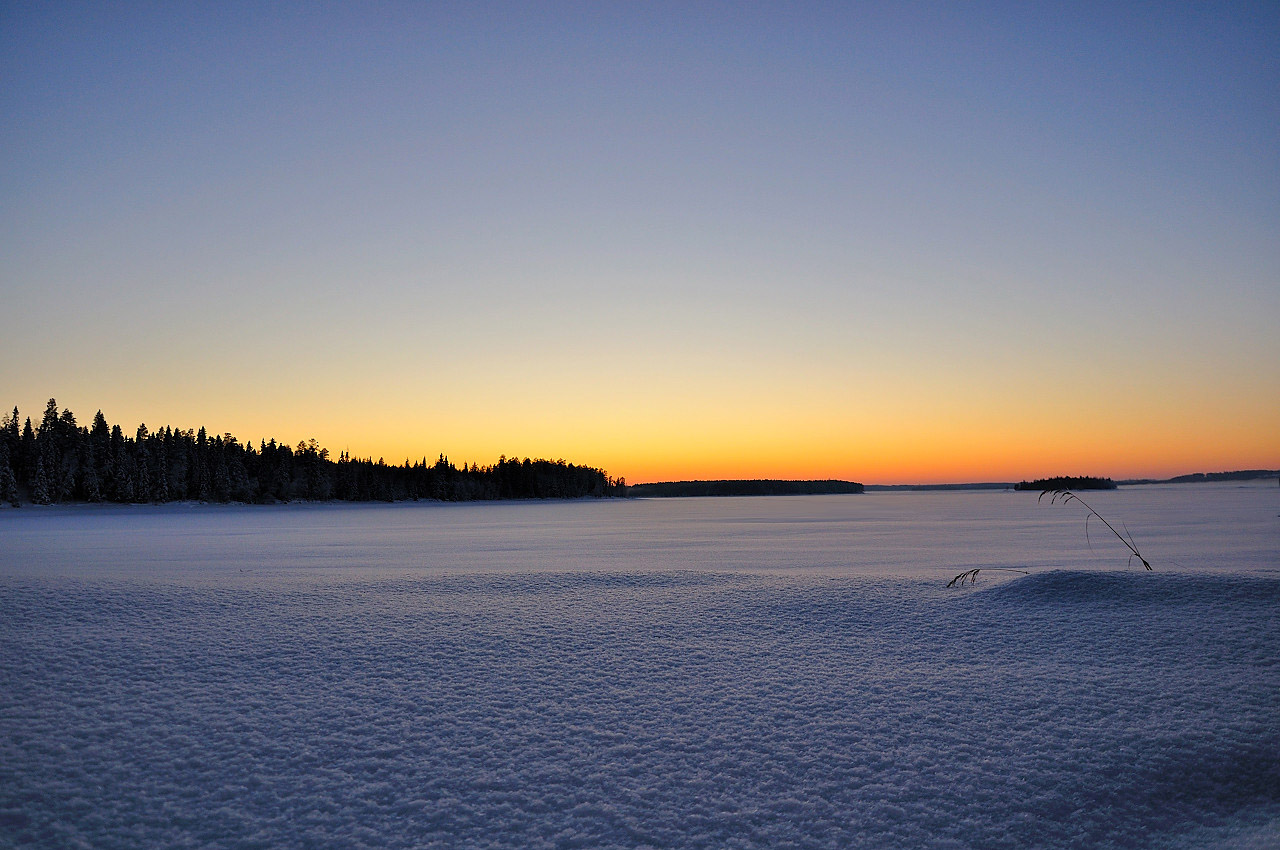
point(743, 487)
point(1066, 482)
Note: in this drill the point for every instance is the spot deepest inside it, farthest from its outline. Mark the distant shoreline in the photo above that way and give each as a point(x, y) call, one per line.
point(1192, 478)
point(1203, 477)
point(666, 489)
point(743, 487)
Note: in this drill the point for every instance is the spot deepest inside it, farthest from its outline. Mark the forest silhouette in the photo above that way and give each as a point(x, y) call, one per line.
point(62, 461)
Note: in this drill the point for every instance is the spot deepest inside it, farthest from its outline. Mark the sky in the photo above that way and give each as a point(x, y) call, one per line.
point(907, 242)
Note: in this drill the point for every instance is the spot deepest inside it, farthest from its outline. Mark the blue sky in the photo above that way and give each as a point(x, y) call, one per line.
point(769, 239)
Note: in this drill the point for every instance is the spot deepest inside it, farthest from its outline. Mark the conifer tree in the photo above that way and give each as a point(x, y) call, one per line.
point(67, 480)
point(142, 481)
point(8, 483)
point(68, 429)
point(40, 491)
point(160, 486)
point(221, 477)
point(100, 430)
point(92, 486)
point(49, 455)
point(9, 434)
point(202, 488)
point(100, 446)
point(49, 424)
point(176, 476)
point(29, 452)
point(122, 475)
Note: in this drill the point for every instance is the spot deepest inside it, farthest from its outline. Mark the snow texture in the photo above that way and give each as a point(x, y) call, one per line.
point(302, 705)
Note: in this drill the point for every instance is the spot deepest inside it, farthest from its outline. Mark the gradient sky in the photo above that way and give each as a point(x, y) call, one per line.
point(884, 242)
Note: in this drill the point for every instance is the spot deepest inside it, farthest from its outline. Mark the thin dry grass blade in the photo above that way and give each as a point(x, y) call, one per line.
point(1126, 538)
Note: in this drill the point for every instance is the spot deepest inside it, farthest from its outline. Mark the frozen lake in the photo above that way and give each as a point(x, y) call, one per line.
point(751, 672)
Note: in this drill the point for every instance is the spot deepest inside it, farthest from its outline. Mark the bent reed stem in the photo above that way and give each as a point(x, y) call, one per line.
point(1067, 496)
point(1064, 495)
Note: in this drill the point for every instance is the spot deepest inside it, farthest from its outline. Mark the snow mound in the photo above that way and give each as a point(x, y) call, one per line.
point(1139, 587)
point(1066, 709)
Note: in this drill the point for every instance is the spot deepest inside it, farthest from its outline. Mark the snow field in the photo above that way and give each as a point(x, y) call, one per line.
point(640, 709)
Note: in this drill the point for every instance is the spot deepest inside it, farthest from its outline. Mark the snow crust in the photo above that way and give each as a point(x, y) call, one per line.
point(302, 704)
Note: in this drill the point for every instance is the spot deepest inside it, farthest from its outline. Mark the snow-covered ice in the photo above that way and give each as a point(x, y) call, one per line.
point(768, 672)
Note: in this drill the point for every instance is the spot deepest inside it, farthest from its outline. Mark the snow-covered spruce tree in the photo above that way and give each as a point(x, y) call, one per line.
point(142, 482)
point(8, 482)
point(122, 475)
point(241, 489)
point(221, 477)
point(25, 464)
point(68, 440)
point(100, 451)
point(92, 486)
point(67, 476)
point(176, 467)
point(10, 436)
point(160, 480)
point(40, 489)
point(49, 423)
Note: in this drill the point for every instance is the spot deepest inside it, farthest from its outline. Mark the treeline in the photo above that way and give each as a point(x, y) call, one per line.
point(1202, 477)
point(1238, 475)
point(1067, 482)
point(752, 487)
point(62, 461)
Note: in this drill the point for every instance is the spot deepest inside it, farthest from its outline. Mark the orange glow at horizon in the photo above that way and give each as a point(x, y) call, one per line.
point(767, 441)
point(695, 409)
point(915, 446)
